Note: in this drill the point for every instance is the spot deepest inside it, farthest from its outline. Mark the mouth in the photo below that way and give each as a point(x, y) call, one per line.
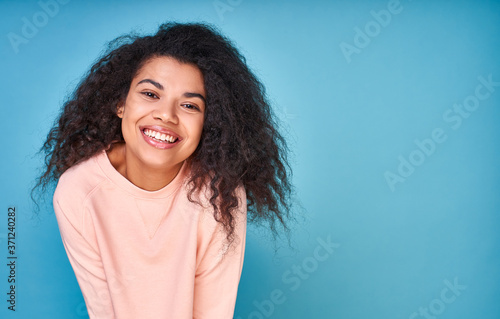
point(159, 137)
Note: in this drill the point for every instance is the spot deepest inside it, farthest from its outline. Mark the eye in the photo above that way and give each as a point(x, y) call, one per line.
point(190, 106)
point(150, 94)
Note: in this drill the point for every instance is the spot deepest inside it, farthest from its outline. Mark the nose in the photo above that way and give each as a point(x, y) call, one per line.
point(166, 112)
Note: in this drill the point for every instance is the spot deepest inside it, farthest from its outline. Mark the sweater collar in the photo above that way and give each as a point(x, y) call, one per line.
point(118, 179)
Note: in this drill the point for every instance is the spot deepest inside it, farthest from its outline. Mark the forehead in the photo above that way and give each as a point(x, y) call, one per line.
point(170, 69)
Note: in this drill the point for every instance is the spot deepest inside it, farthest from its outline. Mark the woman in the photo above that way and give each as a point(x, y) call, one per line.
point(162, 150)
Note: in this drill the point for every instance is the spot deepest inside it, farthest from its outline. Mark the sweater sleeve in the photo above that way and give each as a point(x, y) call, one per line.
point(219, 272)
point(86, 262)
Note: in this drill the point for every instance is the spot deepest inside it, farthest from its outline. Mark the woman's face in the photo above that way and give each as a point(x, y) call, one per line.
point(163, 114)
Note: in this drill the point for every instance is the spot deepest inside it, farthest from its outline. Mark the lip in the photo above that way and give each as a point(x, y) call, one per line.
point(155, 143)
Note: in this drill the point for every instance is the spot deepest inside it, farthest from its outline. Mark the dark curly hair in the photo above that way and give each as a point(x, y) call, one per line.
point(240, 142)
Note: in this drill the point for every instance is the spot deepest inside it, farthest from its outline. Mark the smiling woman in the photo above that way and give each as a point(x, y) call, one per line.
point(162, 120)
point(160, 154)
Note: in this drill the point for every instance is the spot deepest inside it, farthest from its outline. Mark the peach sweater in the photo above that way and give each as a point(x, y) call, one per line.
point(139, 254)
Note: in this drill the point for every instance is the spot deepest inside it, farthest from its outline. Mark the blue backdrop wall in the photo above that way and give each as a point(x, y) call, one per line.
point(392, 109)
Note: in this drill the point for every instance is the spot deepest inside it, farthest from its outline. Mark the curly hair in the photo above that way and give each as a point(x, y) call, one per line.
point(240, 141)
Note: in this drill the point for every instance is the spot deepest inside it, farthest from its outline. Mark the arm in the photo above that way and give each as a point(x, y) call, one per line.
point(86, 262)
point(218, 274)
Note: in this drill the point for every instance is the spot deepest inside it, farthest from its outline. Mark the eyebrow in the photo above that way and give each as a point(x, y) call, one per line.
point(160, 87)
point(198, 95)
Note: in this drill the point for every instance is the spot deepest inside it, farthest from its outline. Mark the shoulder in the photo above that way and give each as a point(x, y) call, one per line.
point(210, 223)
point(76, 183)
point(203, 195)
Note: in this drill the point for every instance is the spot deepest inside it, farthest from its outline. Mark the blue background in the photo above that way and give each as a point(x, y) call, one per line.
point(352, 118)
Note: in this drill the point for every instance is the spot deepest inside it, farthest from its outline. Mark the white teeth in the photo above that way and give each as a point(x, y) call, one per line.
point(159, 136)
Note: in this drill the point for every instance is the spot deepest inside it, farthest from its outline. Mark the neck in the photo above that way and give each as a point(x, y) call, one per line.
point(147, 178)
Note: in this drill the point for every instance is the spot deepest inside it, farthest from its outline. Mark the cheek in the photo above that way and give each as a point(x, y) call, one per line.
point(193, 125)
point(128, 127)
point(199, 129)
